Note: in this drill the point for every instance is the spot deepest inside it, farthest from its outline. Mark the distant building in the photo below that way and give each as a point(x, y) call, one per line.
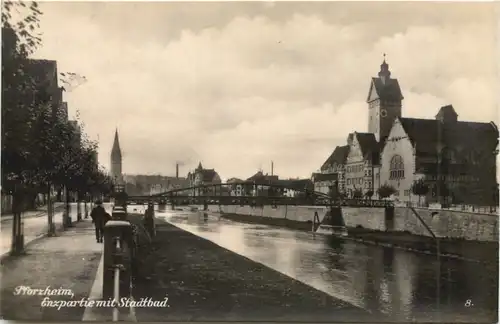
point(153, 184)
point(362, 165)
point(116, 161)
point(332, 172)
point(201, 176)
point(237, 187)
point(295, 187)
point(259, 178)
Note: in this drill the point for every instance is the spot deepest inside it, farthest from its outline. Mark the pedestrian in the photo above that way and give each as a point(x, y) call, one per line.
point(99, 218)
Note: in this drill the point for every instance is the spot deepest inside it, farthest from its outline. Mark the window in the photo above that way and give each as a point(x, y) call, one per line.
point(348, 181)
point(397, 168)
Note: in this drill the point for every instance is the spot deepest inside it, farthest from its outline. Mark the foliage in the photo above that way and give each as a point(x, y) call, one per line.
point(386, 191)
point(420, 188)
point(369, 194)
point(40, 147)
point(357, 193)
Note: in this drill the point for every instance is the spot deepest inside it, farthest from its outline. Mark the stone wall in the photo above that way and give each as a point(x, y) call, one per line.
point(370, 218)
point(448, 223)
point(296, 213)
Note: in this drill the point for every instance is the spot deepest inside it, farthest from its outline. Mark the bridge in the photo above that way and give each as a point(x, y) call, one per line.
point(252, 194)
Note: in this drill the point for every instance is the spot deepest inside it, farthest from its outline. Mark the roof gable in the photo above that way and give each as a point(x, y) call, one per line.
point(338, 156)
point(207, 175)
point(424, 134)
point(372, 93)
point(367, 143)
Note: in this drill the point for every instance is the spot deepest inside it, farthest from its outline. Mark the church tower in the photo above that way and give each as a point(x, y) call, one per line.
point(384, 103)
point(116, 160)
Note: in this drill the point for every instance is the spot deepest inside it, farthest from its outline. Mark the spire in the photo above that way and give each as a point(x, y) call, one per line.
point(116, 151)
point(200, 167)
point(384, 73)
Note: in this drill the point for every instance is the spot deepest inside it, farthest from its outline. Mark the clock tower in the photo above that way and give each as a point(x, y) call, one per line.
point(384, 103)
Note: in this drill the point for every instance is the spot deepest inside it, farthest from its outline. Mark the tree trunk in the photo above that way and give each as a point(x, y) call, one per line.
point(67, 216)
point(86, 206)
point(78, 207)
point(17, 244)
point(50, 212)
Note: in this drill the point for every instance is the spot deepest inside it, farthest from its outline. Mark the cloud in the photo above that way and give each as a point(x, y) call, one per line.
point(257, 89)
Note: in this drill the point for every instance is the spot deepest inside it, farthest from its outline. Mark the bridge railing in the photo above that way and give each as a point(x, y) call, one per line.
point(262, 201)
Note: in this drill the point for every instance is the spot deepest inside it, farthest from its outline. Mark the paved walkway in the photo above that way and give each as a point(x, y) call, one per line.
point(40, 211)
point(68, 261)
point(35, 226)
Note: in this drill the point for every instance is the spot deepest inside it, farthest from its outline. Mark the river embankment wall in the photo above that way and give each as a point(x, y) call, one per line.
point(443, 223)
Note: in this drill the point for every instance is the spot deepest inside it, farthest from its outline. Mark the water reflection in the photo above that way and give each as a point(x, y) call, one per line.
point(398, 283)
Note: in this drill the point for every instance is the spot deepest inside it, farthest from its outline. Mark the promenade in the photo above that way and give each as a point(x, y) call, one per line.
point(68, 261)
point(35, 225)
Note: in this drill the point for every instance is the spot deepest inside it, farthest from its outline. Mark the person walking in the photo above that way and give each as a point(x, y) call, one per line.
point(99, 218)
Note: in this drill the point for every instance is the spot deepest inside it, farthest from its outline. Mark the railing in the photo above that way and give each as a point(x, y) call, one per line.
point(476, 209)
point(261, 201)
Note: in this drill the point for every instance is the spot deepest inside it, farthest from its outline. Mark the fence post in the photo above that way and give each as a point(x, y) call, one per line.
point(118, 245)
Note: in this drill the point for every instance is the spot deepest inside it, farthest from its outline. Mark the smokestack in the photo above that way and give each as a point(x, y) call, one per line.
point(272, 168)
point(177, 170)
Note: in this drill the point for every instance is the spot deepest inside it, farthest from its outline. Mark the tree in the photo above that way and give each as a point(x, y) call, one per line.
point(19, 40)
point(420, 188)
point(386, 191)
point(34, 137)
point(357, 193)
point(369, 194)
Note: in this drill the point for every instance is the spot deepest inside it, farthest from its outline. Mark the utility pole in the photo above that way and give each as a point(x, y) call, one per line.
point(439, 157)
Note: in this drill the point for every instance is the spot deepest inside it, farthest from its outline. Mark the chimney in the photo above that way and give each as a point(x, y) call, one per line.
point(177, 170)
point(272, 168)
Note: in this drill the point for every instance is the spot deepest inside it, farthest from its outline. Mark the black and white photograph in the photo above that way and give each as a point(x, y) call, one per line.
point(250, 161)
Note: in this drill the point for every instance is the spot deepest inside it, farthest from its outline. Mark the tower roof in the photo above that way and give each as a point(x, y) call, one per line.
point(116, 151)
point(386, 88)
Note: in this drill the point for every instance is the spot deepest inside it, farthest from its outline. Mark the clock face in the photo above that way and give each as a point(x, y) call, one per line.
point(383, 112)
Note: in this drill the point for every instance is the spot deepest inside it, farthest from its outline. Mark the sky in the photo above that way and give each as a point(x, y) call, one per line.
point(237, 85)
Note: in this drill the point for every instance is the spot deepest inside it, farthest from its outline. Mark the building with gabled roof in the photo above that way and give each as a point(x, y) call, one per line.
point(201, 176)
point(260, 177)
point(362, 165)
point(332, 172)
point(456, 159)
